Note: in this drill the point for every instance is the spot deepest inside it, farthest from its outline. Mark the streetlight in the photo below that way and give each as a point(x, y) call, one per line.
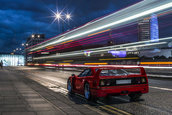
point(24, 45)
point(39, 36)
point(64, 17)
point(68, 16)
point(58, 16)
point(33, 36)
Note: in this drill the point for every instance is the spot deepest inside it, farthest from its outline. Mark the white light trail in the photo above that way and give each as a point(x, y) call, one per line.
point(97, 51)
point(145, 13)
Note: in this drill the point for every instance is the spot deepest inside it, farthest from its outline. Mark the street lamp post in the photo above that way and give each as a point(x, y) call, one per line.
point(59, 17)
point(25, 45)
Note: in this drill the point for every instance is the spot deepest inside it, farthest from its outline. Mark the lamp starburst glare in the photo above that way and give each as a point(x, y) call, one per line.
point(68, 16)
point(58, 15)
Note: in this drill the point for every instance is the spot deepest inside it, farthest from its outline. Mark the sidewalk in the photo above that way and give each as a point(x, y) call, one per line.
point(17, 98)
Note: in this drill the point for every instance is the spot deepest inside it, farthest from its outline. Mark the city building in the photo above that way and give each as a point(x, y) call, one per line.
point(35, 39)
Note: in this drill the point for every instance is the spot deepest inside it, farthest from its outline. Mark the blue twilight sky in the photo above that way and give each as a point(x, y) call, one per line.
point(20, 18)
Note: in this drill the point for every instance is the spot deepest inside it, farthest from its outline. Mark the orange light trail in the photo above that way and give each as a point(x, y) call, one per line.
point(64, 64)
point(49, 47)
point(155, 63)
point(95, 63)
point(66, 42)
point(99, 32)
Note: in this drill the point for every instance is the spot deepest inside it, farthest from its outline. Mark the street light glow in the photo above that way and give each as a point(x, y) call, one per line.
point(68, 16)
point(33, 35)
point(58, 15)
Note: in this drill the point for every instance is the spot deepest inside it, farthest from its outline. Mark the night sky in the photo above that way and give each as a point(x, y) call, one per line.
point(20, 18)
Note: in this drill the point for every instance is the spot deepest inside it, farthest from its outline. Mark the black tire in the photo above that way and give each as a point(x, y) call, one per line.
point(87, 93)
point(107, 98)
point(135, 96)
point(70, 87)
point(94, 99)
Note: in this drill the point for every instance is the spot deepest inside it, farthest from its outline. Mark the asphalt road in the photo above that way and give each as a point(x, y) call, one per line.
point(157, 102)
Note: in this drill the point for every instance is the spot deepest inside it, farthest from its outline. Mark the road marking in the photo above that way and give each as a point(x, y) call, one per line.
point(166, 89)
point(158, 76)
point(114, 112)
point(97, 110)
point(126, 113)
point(111, 108)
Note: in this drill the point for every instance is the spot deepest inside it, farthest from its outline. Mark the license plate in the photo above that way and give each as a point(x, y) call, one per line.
point(128, 81)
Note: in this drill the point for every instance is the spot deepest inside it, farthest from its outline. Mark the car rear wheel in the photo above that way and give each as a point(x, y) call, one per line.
point(69, 87)
point(135, 96)
point(87, 92)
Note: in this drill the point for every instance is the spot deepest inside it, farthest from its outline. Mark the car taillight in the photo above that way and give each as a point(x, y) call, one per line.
point(105, 82)
point(137, 80)
point(102, 82)
point(108, 82)
point(143, 80)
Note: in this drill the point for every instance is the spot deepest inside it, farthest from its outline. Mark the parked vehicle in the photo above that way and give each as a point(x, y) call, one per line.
point(96, 82)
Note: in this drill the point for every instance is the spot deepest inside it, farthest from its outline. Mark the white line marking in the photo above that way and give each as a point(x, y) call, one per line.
point(166, 89)
point(153, 75)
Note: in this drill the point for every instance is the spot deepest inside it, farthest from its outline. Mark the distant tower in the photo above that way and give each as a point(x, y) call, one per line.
point(144, 30)
point(35, 39)
point(154, 29)
point(148, 29)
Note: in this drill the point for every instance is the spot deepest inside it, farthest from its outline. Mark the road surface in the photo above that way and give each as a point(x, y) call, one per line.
point(43, 91)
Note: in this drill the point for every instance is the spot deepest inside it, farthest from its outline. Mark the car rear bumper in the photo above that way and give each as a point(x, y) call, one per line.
point(119, 90)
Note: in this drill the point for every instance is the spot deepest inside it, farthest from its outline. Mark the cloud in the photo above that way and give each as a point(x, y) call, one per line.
point(20, 18)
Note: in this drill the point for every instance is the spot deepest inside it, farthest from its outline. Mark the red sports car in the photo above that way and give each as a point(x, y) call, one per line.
point(96, 82)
